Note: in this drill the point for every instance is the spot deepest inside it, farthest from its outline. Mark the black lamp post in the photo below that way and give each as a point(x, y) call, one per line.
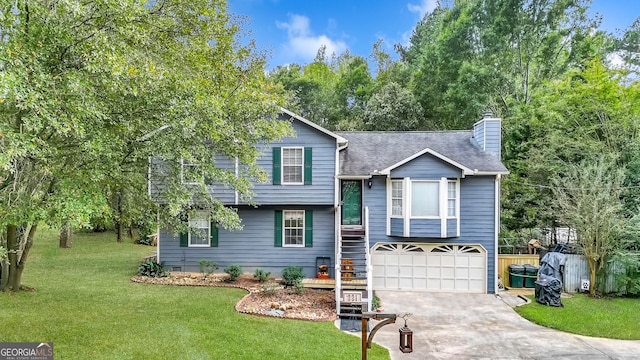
point(406, 336)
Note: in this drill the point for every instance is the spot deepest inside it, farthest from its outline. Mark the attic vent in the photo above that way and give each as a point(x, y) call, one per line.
point(487, 115)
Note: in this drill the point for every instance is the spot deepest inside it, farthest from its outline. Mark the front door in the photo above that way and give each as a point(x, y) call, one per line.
point(351, 202)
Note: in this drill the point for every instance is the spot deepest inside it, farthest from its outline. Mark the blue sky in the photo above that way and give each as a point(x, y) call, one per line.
point(293, 30)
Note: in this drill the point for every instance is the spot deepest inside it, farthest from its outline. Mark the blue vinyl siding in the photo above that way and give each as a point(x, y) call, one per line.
point(488, 135)
point(397, 227)
point(492, 140)
point(425, 228)
point(426, 167)
point(477, 218)
point(321, 190)
point(452, 227)
point(221, 191)
point(253, 247)
point(478, 133)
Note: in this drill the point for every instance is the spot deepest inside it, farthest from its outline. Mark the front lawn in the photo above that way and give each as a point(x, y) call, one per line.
point(616, 318)
point(85, 303)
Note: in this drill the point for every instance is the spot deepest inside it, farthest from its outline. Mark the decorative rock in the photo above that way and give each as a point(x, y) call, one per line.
point(275, 312)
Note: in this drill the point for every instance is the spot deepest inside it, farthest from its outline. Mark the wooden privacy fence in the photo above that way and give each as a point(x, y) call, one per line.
point(576, 269)
point(504, 260)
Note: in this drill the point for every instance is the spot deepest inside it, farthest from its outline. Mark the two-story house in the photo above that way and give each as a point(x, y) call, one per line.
point(387, 210)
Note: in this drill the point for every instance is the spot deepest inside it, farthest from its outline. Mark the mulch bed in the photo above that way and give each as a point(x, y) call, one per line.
point(263, 299)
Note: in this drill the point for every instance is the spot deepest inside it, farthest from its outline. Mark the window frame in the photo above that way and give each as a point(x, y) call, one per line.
point(184, 164)
point(401, 198)
point(196, 217)
point(283, 150)
point(302, 228)
point(437, 198)
point(455, 199)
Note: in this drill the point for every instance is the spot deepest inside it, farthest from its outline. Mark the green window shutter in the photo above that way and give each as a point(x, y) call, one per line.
point(308, 228)
point(276, 166)
point(307, 166)
point(184, 239)
point(277, 237)
point(214, 235)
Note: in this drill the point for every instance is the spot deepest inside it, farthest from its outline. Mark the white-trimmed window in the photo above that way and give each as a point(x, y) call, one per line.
point(293, 229)
point(292, 165)
point(199, 229)
point(189, 172)
point(425, 199)
point(396, 198)
point(452, 198)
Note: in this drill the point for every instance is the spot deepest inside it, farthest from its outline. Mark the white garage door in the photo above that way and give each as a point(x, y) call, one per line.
point(436, 267)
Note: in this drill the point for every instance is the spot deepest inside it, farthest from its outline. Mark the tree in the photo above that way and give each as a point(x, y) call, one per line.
point(91, 90)
point(392, 108)
point(590, 112)
point(587, 198)
point(479, 55)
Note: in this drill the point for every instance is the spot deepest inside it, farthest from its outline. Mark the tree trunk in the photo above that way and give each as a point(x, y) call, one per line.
point(17, 263)
point(4, 267)
point(13, 246)
point(592, 276)
point(66, 234)
point(119, 225)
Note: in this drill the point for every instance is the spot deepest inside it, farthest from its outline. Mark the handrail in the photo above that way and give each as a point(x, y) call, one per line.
point(337, 272)
point(368, 259)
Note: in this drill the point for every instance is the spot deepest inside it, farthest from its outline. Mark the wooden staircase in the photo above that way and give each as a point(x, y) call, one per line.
point(353, 282)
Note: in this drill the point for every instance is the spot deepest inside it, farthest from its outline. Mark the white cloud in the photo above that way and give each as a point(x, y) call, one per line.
point(303, 43)
point(426, 6)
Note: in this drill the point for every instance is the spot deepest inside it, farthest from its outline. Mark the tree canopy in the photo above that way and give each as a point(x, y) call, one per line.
point(90, 90)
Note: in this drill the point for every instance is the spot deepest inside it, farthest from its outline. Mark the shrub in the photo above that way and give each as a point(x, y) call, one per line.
point(627, 273)
point(152, 269)
point(146, 228)
point(234, 271)
point(261, 275)
point(375, 302)
point(299, 289)
point(207, 267)
point(292, 275)
point(270, 288)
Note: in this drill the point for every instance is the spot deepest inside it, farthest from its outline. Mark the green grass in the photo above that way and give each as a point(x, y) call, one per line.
point(86, 304)
point(615, 318)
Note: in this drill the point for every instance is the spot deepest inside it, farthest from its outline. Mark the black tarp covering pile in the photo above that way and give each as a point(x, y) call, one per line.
point(549, 284)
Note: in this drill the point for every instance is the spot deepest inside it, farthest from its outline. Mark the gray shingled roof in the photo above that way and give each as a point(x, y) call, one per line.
point(375, 150)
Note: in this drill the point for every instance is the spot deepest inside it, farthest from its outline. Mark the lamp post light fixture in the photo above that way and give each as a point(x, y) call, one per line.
point(406, 335)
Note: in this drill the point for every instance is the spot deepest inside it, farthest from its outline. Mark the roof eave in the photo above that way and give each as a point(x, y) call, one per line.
point(465, 170)
point(310, 123)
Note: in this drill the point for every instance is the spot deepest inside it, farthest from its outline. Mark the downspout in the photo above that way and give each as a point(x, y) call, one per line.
point(158, 232)
point(497, 231)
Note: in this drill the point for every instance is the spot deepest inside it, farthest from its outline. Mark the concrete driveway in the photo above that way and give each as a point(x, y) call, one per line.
point(483, 326)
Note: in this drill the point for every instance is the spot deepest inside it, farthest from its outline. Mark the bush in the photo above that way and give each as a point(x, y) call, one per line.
point(152, 269)
point(261, 275)
point(234, 271)
point(627, 273)
point(207, 267)
point(375, 302)
point(292, 275)
point(270, 288)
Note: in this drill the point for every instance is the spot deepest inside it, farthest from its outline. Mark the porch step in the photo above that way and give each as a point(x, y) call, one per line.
point(348, 315)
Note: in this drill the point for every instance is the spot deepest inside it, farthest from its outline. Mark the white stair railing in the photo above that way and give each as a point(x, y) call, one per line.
point(337, 272)
point(369, 267)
